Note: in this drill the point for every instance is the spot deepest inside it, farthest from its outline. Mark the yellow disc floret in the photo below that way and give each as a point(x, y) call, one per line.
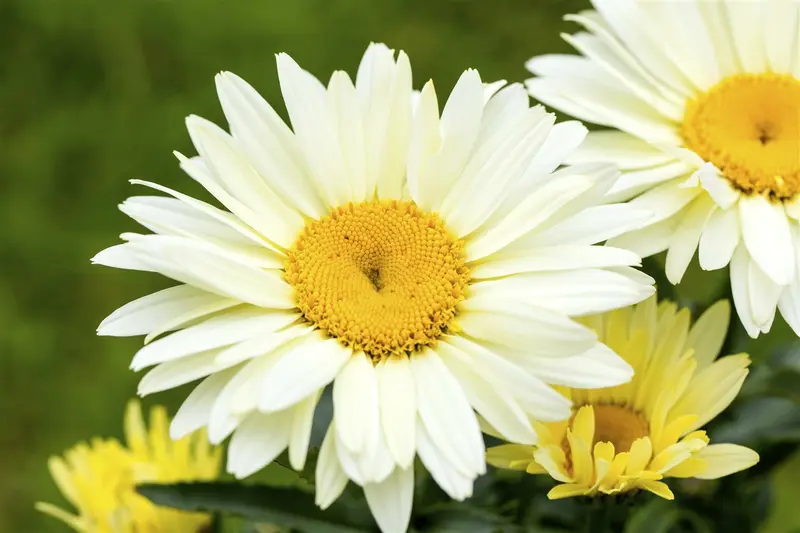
point(619, 425)
point(382, 277)
point(748, 126)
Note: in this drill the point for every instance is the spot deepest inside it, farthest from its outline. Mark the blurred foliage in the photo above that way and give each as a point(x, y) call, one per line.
point(95, 93)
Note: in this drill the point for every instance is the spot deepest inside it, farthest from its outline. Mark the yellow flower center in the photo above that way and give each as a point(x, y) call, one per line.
point(618, 425)
point(748, 126)
point(382, 277)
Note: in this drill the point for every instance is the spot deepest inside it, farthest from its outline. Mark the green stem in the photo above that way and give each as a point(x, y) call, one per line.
point(597, 519)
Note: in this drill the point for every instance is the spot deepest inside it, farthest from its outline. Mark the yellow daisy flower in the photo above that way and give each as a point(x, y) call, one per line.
point(99, 478)
point(632, 436)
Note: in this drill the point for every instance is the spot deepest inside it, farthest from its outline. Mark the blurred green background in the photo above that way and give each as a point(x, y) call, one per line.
point(94, 93)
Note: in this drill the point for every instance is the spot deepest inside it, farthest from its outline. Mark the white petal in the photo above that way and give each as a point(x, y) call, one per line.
point(390, 500)
point(355, 396)
point(195, 410)
point(302, 421)
point(457, 485)
point(446, 413)
point(596, 368)
point(649, 240)
point(747, 23)
point(665, 200)
point(492, 172)
point(258, 440)
point(764, 294)
point(528, 214)
point(635, 182)
point(719, 239)
point(426, 140)
point(718, 187)
point(269, 143)
point(625, 150)
point(280, 223)
point(564, 257)
point(179, 372)
point(308, 106)
point(532, 395)
point(310, 365)
point(494, 404)
point(573, 293)
point(590, 226)
point(221, 330)
point(789, 306)
point(740, 289)
point(686, 238)
point(207, 267)
point(398, 408)
point(766, 233)
point(144, 315)
point(527, 328)
point(330, 479)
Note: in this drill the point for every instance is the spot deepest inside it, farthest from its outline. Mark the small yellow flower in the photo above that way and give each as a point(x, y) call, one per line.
point(99, 478)
point(634, 435)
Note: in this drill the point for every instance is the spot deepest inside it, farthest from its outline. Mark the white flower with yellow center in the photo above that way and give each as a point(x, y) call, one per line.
point(425, 265)
point(632, 436)
point(706, 97)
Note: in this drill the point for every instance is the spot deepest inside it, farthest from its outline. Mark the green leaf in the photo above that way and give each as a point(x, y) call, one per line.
point(454, 517)
point(286, 507)
point(662, 516)
point(784, 514)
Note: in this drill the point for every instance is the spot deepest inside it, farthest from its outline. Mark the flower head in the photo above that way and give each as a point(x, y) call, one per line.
point(705, 101)
point(632, 436)
point(408, 257)
point(99, 478)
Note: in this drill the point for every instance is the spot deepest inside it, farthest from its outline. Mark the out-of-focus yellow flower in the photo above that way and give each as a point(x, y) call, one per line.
point(99, 478)
point(633, 435)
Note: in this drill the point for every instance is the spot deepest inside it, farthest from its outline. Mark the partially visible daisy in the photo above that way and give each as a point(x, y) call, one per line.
point(99, 479)
point(634, 435)
point(705, 96)
point(425, 264)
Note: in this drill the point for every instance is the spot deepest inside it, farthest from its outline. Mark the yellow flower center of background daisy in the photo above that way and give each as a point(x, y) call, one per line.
point(618, 425)
point(382, 277)
point(748, 126)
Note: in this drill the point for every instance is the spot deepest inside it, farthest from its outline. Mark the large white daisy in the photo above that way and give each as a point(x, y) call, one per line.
point(425, 265)
point(706, 97)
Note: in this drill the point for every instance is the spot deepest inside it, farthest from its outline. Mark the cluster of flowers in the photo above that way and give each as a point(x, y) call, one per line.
point(467, 272)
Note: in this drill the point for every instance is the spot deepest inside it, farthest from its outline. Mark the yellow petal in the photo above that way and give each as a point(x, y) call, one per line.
point(514, 456)
point(673, 430)
point(582, 465)
point(535, 468)
point(688, 468)
point(583, 425)
point(708, 333)
point(64, 479)
point(713, 388)
point(658, 488)
point(135, 431)
point(554, 461)
point(725, 459)
point(639, 456)
point(567, 491)
point(71, 520)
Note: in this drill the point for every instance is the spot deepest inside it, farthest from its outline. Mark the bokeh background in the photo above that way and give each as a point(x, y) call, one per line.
point(94, 93)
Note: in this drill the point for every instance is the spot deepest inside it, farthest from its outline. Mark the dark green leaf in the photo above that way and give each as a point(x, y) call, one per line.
point(280, 506)
point(657, 516)
point(454, 517)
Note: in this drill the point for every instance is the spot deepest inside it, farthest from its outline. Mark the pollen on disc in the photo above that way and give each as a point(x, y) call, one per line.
point(748, 126)
point(382, 277)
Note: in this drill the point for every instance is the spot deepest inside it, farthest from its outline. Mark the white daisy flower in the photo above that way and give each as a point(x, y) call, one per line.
point(705, 95)
point(426, 265)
